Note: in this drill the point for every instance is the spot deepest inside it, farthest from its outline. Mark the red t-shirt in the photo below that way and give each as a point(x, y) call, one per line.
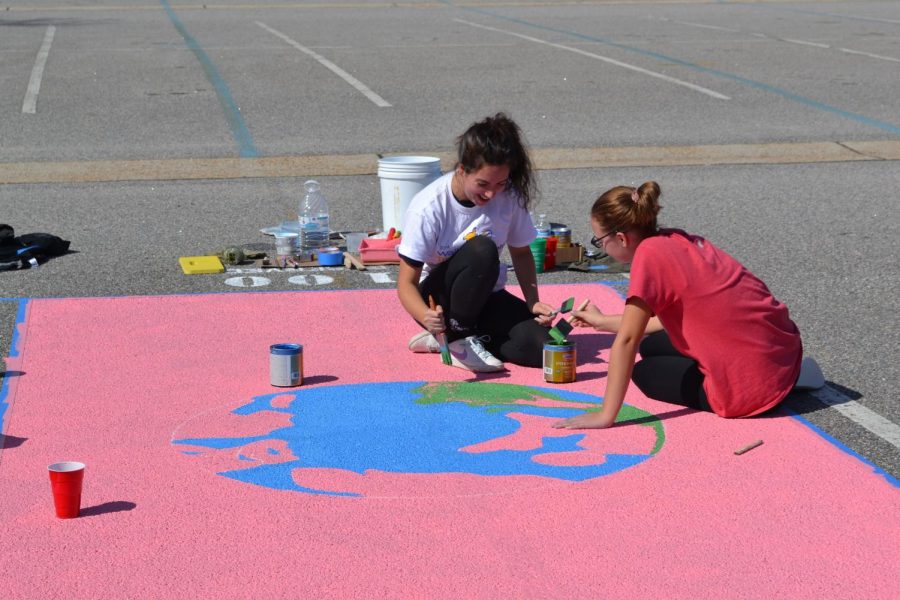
point(721, 315)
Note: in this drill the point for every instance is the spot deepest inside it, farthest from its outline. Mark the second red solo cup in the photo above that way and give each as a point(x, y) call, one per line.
point(65, 480)
point(550, 254)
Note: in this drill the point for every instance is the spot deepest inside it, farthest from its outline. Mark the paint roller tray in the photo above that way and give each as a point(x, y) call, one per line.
point(373, 250)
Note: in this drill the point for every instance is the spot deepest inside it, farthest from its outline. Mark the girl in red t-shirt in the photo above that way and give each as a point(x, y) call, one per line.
point(718, 340)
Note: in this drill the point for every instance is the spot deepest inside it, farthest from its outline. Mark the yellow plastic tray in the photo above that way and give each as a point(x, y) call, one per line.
point(201, 265)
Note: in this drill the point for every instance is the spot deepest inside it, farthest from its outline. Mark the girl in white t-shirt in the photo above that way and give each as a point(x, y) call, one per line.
point(453, 233)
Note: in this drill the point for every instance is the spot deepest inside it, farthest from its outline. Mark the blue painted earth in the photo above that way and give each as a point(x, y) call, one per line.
point(418, 427)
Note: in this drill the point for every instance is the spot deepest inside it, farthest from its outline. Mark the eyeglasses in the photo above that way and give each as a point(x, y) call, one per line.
point(597, 242)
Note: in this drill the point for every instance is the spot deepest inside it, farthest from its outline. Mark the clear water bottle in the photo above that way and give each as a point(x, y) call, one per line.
point(314, 222)
point(542, 225)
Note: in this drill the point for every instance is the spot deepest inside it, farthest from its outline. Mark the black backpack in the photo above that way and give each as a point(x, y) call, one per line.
point(28, 250)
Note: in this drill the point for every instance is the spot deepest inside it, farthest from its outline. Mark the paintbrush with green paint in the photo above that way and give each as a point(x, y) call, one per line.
point(566, 306)
point(441, 338)
point(564, 327)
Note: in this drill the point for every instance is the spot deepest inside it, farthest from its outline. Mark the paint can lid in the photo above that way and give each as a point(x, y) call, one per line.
point(565, 344)
point(285, 349)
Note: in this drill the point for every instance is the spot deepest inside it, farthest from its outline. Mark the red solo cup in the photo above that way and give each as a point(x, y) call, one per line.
point(65, 480)
point(550, 257)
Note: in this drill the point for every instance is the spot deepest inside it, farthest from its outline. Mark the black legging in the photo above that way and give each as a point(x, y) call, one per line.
point(463, 286)
point(667, 375)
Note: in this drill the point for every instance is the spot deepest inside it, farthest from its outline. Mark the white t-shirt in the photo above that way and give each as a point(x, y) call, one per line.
point(436, 225)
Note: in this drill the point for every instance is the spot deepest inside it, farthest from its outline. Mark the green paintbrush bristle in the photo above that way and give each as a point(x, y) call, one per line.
point(557, 336)
point(559, 331)
point(567, 305)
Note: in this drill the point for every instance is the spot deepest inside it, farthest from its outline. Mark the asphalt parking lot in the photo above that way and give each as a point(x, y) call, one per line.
point(145, 131)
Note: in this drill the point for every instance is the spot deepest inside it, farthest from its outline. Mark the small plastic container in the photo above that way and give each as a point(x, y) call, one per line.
point(354, 239)
point(379, 250)
point(286, 244)
point(330, 257)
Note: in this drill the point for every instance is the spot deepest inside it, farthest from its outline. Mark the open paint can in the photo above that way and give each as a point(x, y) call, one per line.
point(286, 365)
point(559, 362)
point(564, 236)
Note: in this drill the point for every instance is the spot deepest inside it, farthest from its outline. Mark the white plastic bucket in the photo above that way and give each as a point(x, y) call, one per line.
point(402, 177)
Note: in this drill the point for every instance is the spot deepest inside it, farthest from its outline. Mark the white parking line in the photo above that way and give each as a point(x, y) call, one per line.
point(378, 100)
point(805, 43)
point(788, 40)
point(606, 59)
point(702, 26)
point(29, 106)
point(855, 17)
point(869, 54)
point(856, 412)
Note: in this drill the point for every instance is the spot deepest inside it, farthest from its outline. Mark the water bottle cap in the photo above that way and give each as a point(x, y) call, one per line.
point(312, 185)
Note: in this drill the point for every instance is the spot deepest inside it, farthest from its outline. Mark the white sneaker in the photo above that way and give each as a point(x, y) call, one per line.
point(423, 342)
point(469, 354)
point(811, 377)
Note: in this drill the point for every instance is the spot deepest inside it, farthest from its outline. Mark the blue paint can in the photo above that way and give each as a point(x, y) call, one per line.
point(286, 365)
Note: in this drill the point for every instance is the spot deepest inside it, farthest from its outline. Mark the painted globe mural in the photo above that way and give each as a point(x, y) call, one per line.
point(415, 438)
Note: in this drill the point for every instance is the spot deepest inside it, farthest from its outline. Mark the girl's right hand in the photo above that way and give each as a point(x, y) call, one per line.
point(434, 320)
point(591, 316)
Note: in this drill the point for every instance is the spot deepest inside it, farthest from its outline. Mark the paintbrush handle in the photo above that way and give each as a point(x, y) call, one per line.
point(431, 303)
point(442, 342)
point(441, 337)
point(581, 307)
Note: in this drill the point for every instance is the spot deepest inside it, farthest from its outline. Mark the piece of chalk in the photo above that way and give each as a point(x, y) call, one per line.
point(748, 447)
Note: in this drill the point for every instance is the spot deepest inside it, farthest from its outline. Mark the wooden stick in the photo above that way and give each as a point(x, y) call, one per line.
point(748, 447)
point(349, 258)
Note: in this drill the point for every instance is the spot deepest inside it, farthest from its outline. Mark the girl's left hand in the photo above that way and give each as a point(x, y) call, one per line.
point(591, 420)
point(544, 312)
